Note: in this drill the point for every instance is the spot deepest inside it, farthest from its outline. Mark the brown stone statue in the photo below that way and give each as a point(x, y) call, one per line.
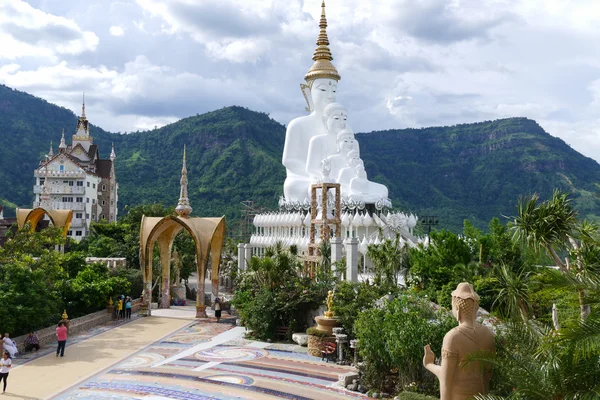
point(460, 381)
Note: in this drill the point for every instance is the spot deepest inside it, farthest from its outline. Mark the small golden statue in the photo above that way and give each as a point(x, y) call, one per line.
point(329, 313)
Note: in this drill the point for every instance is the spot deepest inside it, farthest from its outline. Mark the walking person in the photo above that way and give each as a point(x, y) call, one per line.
point(218, 308)
point(61, 337)
point(128, 307)
point(5, 364)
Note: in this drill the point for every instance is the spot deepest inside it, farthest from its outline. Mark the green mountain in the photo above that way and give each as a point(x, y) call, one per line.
point(471, 171)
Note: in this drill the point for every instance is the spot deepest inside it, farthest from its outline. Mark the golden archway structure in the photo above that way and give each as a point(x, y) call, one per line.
point(208, 235)
point(59, 218)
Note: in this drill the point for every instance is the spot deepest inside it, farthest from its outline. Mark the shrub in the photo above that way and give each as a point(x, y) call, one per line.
point(274, 291)
point(392, 340)
point(353, 298)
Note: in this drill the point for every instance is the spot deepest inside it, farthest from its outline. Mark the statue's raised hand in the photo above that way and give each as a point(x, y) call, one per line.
point(429, 357)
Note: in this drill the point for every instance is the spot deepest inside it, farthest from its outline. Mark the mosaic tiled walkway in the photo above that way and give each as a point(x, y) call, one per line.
point(24, 358)
point(206, 360)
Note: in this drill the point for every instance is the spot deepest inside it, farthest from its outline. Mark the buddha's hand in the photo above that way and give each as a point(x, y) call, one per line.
point(429, 357)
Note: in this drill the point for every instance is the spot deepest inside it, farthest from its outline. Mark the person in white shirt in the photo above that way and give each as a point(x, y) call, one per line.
point(9, 345)
point(5, 364)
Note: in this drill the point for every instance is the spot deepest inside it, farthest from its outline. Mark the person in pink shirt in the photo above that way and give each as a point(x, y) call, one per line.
point(61, 336)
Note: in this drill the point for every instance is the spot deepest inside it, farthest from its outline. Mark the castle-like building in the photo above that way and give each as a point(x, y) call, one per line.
point(77, 179)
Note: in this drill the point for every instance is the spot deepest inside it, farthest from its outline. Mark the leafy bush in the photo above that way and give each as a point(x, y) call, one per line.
point(275, 291)
point(91, 288)
point(391, 343)
point(352, 298)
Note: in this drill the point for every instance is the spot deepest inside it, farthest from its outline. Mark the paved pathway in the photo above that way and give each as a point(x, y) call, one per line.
point(172, 356)
point(48, 375)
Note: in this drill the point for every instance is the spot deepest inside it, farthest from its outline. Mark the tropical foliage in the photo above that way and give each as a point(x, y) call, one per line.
point(37, 283)
point(276, 291)
point(391, 340)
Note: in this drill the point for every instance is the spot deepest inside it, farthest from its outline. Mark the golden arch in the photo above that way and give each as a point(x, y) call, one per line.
point(208, 235)
point(59, 218)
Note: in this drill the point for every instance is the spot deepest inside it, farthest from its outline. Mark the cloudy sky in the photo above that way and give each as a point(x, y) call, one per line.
point(404, 63)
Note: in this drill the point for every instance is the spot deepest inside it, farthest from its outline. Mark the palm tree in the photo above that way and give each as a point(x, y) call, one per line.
point(552, 226)
point(533, 363)
point(514, 289)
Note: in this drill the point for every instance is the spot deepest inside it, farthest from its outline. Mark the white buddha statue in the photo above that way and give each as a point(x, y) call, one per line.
point(322, 80)
point(323, 146)
point(354, 182)
point(345, 143)
point(359, 184)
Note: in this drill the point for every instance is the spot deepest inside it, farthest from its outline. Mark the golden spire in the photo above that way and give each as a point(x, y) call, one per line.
point(83, 106)
point(183, 206)
point(322, 67)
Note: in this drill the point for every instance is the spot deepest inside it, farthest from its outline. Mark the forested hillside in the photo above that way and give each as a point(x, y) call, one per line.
point(474, 171)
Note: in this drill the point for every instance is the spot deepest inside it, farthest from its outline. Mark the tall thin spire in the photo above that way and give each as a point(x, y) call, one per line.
point(113, 155)
point(83, 105)
point(322, 67)
point(183, 206)
point(51, 152)
point(62, 146)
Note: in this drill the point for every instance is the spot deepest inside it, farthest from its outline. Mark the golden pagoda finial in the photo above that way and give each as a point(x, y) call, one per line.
point(64, 315)
point(322, 66)
point(83, 106)
point(183, 208)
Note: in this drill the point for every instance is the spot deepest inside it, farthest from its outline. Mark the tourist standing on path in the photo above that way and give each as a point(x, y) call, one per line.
point(120, 308)
point(218, 308)
point(5, 364)
point(128, 307)
point(32, 342)
point(61, 336)
point(9, 345)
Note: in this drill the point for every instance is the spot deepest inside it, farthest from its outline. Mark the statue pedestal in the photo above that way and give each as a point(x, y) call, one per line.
point(326, 324)
point(178, 292)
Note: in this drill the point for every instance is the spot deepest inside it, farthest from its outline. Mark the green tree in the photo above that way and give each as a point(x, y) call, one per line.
point(551, 226)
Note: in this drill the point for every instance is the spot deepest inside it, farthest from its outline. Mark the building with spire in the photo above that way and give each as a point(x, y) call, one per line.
point(76, 178)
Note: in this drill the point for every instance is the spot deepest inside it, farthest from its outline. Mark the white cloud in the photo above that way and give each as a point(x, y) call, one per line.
point(117, 30)
point(29, 32)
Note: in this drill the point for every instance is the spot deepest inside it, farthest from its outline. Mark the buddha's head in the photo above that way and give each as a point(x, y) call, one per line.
point(323, 92)
point(354, 159)
point(322, 77)
point(360, 171)
point(345, 141)
point(334, 118)
point(465, 303)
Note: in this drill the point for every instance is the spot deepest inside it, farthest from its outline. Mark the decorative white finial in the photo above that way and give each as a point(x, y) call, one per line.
point(62, 146)
point(113, 155)
point(51, 152)
point(183, 206)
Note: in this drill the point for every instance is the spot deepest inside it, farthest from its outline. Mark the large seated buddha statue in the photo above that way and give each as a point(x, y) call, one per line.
point(323, 146)
point(319, 91)
point(354, 183)
point(339, 160)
